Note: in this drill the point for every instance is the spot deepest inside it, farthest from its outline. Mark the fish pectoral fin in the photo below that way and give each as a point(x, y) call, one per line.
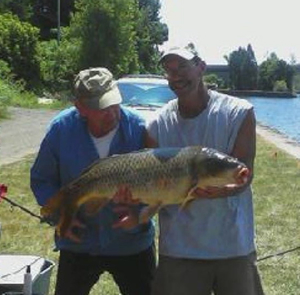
point(148, 212)
point(190, 197)
point(93, 206)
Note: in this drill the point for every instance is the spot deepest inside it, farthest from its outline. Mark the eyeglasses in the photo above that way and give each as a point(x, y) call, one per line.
point(181, 70)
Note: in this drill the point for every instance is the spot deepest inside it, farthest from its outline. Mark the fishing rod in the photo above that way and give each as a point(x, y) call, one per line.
point(3, 191)
point(278, 254)
point(22, 208)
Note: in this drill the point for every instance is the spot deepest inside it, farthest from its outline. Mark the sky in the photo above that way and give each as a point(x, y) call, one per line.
point(218, 27)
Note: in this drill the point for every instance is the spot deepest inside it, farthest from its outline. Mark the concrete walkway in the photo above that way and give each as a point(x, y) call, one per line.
point(21, 135)
point(284, 143)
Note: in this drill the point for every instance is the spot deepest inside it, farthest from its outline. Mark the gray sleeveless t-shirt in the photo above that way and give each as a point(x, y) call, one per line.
point(208, 228)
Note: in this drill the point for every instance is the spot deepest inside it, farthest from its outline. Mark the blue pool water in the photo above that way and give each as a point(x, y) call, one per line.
point(282, 114)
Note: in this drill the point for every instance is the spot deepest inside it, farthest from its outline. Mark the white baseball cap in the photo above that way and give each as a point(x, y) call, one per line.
point(184, 52)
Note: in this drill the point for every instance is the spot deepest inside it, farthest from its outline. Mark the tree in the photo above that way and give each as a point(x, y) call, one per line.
point(296, 83)
point(243, 69)
point(150, 33)
point(45, 16)
point(214, 80)
point(57, 63)
point(122, 35)
point(252, 68)
point(18, 47)
point(21, 8)
point(106, 30)
point(274, 69)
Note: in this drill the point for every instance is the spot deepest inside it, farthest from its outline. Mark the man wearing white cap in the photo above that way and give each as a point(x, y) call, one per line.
point(209, 246)
point(96, 127)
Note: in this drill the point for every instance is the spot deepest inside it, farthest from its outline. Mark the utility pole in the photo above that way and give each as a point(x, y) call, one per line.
point(58, 22)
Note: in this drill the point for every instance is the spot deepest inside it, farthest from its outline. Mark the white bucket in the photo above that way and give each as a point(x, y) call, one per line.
point(13, 267)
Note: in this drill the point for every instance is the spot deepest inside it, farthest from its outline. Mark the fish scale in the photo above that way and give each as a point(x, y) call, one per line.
point(129, 173)
point(155, 176)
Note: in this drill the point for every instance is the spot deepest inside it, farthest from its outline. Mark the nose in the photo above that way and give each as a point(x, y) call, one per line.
point(173, 74)
point(109, 113)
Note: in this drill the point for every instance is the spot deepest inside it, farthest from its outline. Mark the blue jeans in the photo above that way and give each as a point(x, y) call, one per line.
point(78, 272)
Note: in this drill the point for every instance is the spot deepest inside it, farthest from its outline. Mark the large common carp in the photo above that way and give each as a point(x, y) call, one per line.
point(154, 176)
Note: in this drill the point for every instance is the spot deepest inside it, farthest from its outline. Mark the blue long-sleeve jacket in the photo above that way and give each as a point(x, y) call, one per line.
point(66, 150)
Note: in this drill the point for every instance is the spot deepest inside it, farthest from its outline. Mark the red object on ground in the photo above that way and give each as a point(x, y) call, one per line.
point(3, 191)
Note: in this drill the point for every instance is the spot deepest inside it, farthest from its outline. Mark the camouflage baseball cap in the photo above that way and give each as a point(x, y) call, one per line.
point(97, 88)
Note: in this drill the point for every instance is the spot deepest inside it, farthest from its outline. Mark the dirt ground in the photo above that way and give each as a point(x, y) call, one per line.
point(21, 135)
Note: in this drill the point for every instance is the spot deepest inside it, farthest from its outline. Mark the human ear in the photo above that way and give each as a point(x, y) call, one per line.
point(81, 108)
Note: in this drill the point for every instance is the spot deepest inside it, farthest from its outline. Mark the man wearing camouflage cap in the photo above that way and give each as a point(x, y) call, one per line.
point(98, 126)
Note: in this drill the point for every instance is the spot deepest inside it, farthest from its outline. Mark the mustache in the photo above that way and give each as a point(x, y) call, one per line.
point(178, 84)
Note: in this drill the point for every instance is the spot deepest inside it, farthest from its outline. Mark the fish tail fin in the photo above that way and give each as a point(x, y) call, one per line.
point(52, 206)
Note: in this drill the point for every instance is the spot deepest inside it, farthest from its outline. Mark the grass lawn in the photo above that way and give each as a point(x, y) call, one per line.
point(276, 189)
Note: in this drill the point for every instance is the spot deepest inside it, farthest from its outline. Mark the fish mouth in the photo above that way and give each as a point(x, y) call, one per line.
point(242, 175)
point(234, 177)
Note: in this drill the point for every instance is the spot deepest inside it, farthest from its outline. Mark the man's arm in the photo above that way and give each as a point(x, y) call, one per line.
point(245, 145)
point(150, 142)
point(244, 149)
point(44, 174)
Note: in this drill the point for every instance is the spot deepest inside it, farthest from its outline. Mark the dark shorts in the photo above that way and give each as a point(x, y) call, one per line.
point(235, 276)
point(78, 273)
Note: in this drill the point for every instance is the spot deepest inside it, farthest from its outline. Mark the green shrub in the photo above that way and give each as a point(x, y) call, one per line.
point(214, 79)
point(5, 70)
point(58, 62)
point(3, 98)
point(280, 86)
point(18, 41)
